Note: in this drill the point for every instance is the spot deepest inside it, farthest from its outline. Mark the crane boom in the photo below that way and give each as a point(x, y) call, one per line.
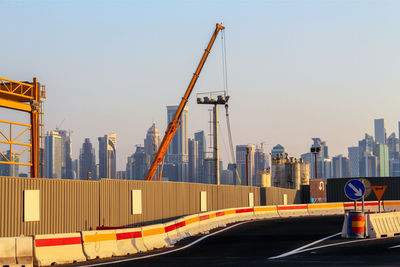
point(175, 123)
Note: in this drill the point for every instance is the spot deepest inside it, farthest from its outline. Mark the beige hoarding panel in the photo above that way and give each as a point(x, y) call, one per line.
point(251, 199)
point(136, 201)
point(203, 201)
point(31, 205)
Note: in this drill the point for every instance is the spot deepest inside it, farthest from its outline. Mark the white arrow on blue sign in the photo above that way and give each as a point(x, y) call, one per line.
point(354, 189)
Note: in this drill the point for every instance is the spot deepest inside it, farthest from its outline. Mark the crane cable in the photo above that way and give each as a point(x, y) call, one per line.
point(225, 84)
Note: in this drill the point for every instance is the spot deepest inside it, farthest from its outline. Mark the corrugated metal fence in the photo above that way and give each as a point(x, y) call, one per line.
point(69, 206)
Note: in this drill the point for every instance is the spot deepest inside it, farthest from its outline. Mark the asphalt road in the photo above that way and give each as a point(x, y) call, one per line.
point(256, 243)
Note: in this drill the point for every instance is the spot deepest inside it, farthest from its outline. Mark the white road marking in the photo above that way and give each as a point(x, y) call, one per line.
point(303, 247)
point(166, 252)
point(297, 251)
point(398, 246)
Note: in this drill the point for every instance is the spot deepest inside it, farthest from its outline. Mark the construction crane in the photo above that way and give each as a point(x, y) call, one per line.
point(175, 123)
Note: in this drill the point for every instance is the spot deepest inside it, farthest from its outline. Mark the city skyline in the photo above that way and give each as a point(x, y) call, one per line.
point(295, 65)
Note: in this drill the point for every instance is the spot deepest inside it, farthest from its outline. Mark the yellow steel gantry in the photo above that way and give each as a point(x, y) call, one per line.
point(27, 97)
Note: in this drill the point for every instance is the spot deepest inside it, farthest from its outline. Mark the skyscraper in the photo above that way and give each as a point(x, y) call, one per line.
point(141, 163)
point(241, 155)
point(177, 152)
point(193, 161)
point(66, 151)
point(200, 138)
point(382, 153)
point(354, 157)
point(324, 167)
point(107, 156)
point(9, 169)
point(341, 166)
point(152, 141)
point(368, 165)
point(380, 131)
point(87, 161)
point(53, 155)
point(278, 149)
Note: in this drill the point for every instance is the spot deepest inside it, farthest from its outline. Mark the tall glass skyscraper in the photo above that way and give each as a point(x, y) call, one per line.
point(107, 156)
point(202, 149)
point(177, 152)
point(53, 155)
point(380, 131)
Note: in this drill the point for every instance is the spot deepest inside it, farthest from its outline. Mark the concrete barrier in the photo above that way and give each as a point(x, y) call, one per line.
point(229, 216)
point(263, 212)
point(171, 229)
point(129, 241)
point(58, 249)
point(390, 205)
point(325, 209)
point(206, 221)
point(244, 213)
point(191, 227)
point(292, 210)
point(25, 251)
point(368, 206)
point(383, 224)
point(154, 236)
point(7, 251)
point(100, 244)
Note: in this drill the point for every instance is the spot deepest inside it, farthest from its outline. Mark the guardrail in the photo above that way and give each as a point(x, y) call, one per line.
point(86, 245)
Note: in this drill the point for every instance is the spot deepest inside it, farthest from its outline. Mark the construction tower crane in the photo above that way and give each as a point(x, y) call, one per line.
point(175, 123)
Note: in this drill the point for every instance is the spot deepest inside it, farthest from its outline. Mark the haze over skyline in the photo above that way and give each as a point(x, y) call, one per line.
point(296, 70)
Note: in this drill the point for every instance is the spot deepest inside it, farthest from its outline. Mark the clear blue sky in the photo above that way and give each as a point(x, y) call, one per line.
point(297, 69)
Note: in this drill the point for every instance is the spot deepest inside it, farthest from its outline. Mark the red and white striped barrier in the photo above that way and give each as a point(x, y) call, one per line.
point(100, 244)
point(129, 241)
point(292, 210)
point(325, 208)
point(154, 236)
point(58, 248)
point(171, 229)
point(264, 212)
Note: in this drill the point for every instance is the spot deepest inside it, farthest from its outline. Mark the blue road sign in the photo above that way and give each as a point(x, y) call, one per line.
point(354, 189)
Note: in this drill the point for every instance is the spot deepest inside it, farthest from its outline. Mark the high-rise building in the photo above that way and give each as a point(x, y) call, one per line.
point(368, 165)
point(200, 138)
point(394, 155)
point(152, 141)
point(53, 155)
point(66, 151)
point(278, 150)
point(261, 161)
point(327, 168)
point(107, 156)
point(341, 166)
point(11, 170)
point(87, 161)
point(382, 153)
point(380, 131)
point(75, 168)
point(226, 177)
point(141, 163)
point(129, 167)
point(324, 167)
point(354, 157)
point(177, 152)
point(241, 155)
point(193, 161)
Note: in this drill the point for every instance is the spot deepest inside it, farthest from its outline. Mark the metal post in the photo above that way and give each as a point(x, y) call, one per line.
point(247, 165)
point(216, 154)
point(316, 166)
point(379, 206)
point(362, 204)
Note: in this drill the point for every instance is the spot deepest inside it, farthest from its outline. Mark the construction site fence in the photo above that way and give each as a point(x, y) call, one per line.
point(72, 205)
